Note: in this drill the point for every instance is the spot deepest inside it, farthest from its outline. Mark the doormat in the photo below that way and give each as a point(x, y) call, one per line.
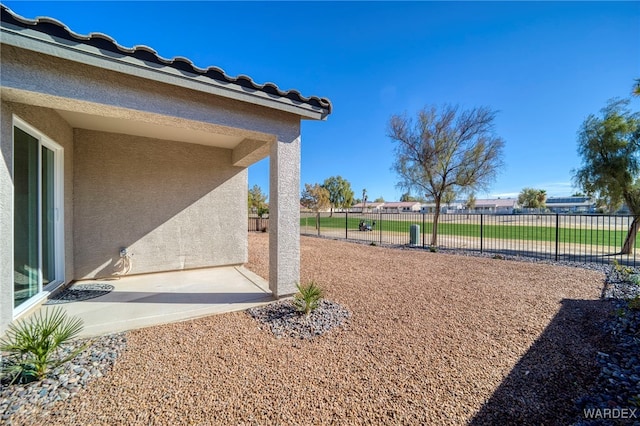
point(80, 292)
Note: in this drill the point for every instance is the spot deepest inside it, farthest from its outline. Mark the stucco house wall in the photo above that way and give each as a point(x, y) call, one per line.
point(155, 153)
point(172, 205)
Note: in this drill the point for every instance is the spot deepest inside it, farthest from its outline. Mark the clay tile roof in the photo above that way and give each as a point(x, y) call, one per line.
point(104, 42)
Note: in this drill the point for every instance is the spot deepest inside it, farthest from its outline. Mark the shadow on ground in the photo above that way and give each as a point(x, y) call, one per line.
point(559, 367)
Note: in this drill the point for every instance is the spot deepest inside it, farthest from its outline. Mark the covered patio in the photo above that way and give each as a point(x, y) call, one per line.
point(117, 162)
point(152, 299)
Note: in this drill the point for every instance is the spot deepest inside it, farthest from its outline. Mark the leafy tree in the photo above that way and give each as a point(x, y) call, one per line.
point(445, 149)
point(449, 197)
point(406, 197)
point(636, 88)
point(542, 198)
point(605, 204)
point(364, 199)
point(531, 198)
point(315, 197)
point(257, 201)
point(340, 192)
point(609, 145)
point(470, 204)
point(379, 200)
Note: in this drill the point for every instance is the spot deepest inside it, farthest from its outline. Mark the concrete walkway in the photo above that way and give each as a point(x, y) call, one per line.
point(151, 299)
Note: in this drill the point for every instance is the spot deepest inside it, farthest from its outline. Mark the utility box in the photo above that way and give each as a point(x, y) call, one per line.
point(414, 235)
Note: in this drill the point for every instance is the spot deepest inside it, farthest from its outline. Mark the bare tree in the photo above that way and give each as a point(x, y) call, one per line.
point(445, 149)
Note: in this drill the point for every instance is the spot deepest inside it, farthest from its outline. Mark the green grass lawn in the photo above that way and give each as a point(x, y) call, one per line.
point(600, 237)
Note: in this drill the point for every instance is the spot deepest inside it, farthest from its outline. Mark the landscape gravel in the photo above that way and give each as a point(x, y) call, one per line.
point(618, 383)
point(432, 339)
point(65, 381)
point(284, 320)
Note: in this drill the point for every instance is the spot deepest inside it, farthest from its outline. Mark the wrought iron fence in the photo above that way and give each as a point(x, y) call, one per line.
point(577, 238)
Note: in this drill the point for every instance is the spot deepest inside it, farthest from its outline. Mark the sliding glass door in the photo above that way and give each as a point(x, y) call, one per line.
point(37, 233)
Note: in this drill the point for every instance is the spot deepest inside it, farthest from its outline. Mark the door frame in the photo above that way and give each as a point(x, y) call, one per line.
point(59, 236)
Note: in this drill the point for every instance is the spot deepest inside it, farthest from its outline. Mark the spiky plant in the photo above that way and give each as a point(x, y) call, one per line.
point(307, 298)
point(33, 347)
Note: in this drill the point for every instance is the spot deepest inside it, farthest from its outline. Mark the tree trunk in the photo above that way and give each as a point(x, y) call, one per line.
point(630, 241)
point(331, 214)
point(434, 231)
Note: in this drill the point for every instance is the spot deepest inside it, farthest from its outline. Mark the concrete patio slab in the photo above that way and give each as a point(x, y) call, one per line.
point(159, 298)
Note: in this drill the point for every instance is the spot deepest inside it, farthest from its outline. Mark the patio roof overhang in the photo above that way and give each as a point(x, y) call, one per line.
point(93, 83)
point(51, 37)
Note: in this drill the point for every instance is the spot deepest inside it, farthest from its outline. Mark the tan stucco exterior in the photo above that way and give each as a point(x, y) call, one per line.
point(155, 157)
point(172, 205)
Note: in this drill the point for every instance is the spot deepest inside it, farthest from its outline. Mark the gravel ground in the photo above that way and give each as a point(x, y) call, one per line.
point(432, 339)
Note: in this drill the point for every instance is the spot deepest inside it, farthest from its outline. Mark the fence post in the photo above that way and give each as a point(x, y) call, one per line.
point(380, 227)
point(481, 231)
point(318, 222)
point(346, 224)
point(557, 234)
point(423, 222)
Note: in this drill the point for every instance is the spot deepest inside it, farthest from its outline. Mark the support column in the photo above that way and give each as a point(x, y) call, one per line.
point(6, 218)
point(284, 217)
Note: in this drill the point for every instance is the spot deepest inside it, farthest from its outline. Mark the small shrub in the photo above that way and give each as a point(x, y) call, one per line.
point(433, 249)
point(373, 243)
point(32, 347)
point(634, 303)
point(498, 256)
point(635, 279)
point(625, 271)
point(307, 298)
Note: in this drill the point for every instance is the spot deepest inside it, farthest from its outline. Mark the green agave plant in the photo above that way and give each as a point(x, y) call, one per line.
point(32, 347)
point(307, 298)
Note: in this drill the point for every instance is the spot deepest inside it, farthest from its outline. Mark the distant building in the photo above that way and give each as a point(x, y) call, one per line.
point(582, 204)
point(490, 205)
point(401, 206)
point(496, 205)
point(368, 207)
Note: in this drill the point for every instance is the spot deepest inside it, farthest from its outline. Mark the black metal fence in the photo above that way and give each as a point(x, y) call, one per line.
point(577, 238)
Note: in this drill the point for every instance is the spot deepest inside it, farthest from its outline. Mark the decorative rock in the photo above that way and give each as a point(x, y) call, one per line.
point(619, 381)
point(284, 321)
point(66, 380)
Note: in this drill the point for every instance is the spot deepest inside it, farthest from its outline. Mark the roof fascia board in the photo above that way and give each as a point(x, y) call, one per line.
point(89, 55)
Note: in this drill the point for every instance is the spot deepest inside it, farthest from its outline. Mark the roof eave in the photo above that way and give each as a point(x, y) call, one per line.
point(50, 45)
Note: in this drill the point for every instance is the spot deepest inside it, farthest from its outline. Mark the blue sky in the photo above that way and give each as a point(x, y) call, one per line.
point(544, 66)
